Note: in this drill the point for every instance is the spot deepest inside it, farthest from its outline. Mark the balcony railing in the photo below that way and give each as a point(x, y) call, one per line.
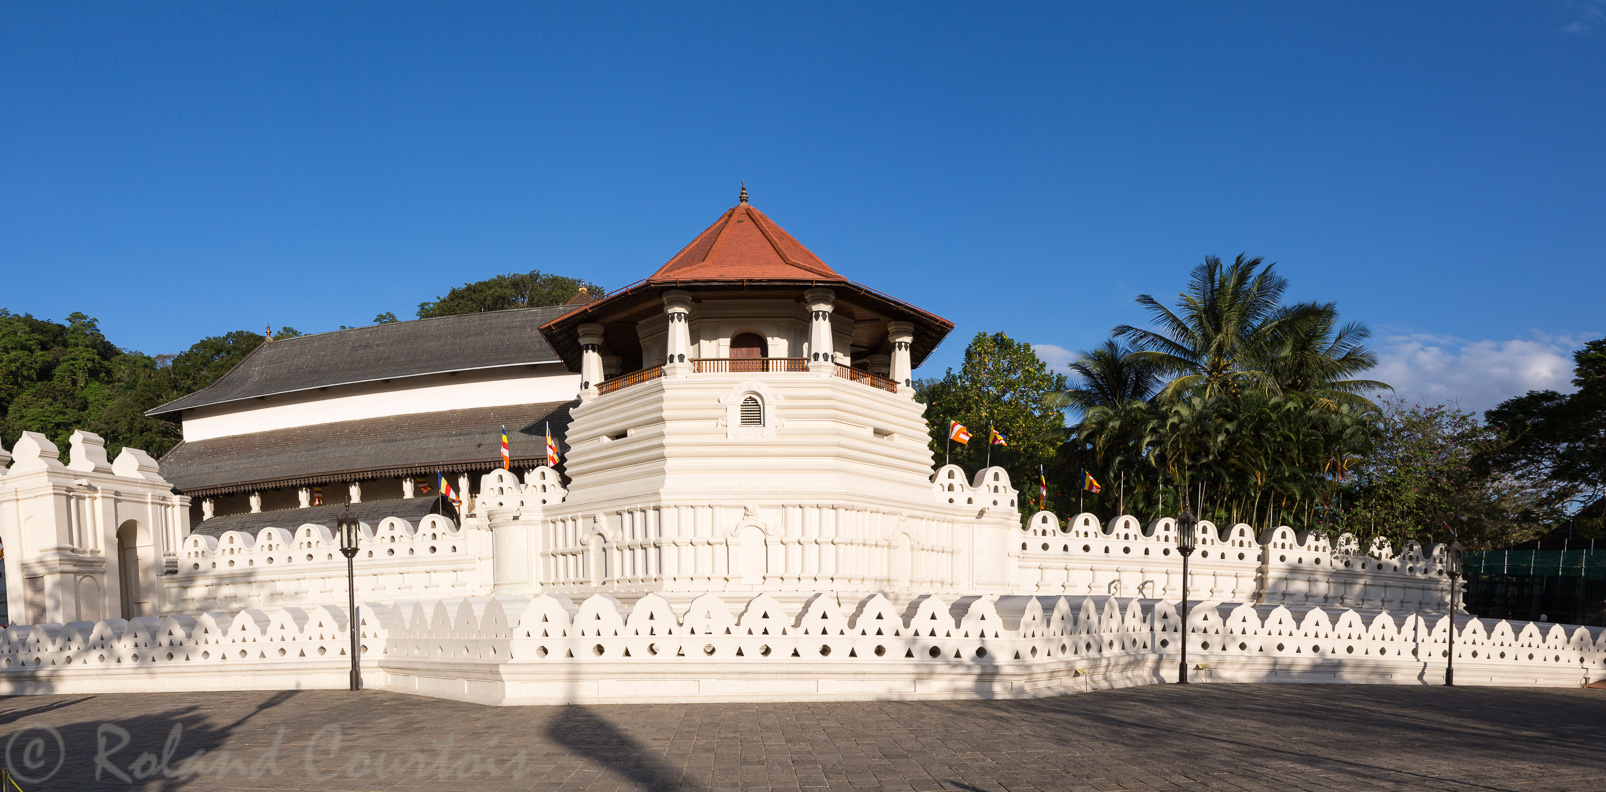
point(633, 378)
point(747, 365)
point(873, 380)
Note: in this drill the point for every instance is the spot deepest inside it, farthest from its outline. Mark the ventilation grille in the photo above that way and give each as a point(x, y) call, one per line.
point(752, 411)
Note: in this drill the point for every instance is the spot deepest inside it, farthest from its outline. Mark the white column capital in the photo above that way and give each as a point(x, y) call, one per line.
point(677, 344)
point(590, 356)
point(902, 336)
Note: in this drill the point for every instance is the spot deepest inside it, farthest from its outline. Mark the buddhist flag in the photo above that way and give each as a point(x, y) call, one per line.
point(1090, 484)
point(507, 461)
point(423, 485)
point(317, 496)
point(997, 437)
point(1042, 487)
point(446, 489)
point(551, 448)
point(958, 433)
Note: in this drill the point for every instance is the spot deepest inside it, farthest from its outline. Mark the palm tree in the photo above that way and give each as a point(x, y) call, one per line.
point(1108, 376)
point(1313, 357)
point(1226, 324)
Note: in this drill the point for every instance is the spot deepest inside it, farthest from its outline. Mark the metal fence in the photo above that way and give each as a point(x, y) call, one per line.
point(1565, 586)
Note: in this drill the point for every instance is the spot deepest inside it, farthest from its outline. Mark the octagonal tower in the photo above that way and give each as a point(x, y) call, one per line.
point(747, 423)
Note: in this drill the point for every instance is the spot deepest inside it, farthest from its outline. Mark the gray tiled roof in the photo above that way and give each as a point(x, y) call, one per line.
point(387, 351)
point(398, 445)
point(372, 512)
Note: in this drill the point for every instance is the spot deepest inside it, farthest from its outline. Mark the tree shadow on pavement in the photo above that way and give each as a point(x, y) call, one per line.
point(594, 738)
point(178, 749)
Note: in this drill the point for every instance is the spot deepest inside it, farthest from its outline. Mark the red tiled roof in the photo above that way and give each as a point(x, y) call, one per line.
point(745, 244)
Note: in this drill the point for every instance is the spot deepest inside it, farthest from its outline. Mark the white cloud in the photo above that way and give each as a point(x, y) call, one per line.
point(1590, 13)
point(1058, 358)
point(1475, 374)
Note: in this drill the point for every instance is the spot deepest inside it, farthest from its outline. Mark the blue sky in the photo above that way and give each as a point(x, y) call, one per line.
point(182, 170)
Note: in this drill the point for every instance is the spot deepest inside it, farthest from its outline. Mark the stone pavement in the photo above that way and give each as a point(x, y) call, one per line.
point(1201, 737)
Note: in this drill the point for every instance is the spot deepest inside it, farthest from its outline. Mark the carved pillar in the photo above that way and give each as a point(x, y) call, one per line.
point(208, 508)
point(902, 336)
point(256, 503)
point(821, 354)
point(881, 364)
point(677, 343)
point(407, 486)
point(304, 495)
point(354, 491)
point(590, 356)
point(611, 365)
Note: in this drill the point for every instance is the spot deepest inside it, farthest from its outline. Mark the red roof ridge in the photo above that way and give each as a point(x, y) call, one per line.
point(723, 251)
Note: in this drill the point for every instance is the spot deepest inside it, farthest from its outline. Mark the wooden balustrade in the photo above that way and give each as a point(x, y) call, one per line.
point(633, 378)
point(860, 375)
point(748, 365)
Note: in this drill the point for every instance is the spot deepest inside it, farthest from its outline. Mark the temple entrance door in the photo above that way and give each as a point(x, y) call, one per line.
point(134, 554)
point(748, 346)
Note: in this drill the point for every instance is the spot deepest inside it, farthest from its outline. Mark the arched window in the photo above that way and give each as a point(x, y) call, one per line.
point(749, 346)
point(752, 412)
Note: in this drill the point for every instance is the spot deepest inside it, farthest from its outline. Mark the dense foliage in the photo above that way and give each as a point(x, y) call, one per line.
point(1248, 406)
point(57, 377)
point(1002, 385)
point(1559, 440)
point(513, 290)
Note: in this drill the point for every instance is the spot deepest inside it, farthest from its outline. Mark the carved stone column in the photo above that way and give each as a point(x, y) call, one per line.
point(677, 343)
point(590, 356)
point(821, 353)
point(902, 336)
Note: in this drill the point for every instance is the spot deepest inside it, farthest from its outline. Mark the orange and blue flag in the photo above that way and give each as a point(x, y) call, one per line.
point(958, 433)
point(446, 489)
point(998, 437)
point(551, 448)
point(1090, 484)
point(507, 461)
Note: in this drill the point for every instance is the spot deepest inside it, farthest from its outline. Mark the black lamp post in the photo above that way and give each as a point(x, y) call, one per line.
point(350, 532)
point(1453, 567)
point(1186, 523)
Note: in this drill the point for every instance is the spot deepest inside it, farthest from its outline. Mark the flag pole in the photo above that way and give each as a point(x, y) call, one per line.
point(949, 446)
point(1122, 507)
point(989, 445)
point(1081, 492)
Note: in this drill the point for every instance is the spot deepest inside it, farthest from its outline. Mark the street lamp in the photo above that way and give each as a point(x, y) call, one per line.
point(1186, 523)
point(1456, 556)
point(350, 532)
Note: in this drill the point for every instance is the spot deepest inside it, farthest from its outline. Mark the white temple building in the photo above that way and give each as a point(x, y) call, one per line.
point(747, 508)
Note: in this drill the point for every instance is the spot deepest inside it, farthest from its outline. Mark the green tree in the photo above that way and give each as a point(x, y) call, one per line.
point(1559, 439)
point(1424, 480)
point(1109, 376)
point(388, 317)
point(513, 290)
point(1230, 332)
point(1002, 384)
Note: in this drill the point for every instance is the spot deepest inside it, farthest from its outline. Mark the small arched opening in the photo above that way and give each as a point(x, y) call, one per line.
point(136, 570)
point(751, 412)
point(749, 346)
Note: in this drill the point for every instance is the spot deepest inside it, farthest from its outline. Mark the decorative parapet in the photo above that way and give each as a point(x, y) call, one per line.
point(1125, 558)
point(278, 567)
point(548, 649)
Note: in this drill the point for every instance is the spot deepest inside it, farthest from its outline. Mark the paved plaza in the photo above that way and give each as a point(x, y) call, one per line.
point(1202, 737)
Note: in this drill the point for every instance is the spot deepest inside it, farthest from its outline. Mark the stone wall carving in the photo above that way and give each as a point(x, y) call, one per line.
point(550, 649)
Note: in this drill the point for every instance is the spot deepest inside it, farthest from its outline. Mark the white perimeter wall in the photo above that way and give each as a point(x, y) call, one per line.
point(547, 382)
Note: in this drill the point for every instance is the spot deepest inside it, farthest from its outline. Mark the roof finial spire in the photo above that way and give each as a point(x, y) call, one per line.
point(743, 199)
